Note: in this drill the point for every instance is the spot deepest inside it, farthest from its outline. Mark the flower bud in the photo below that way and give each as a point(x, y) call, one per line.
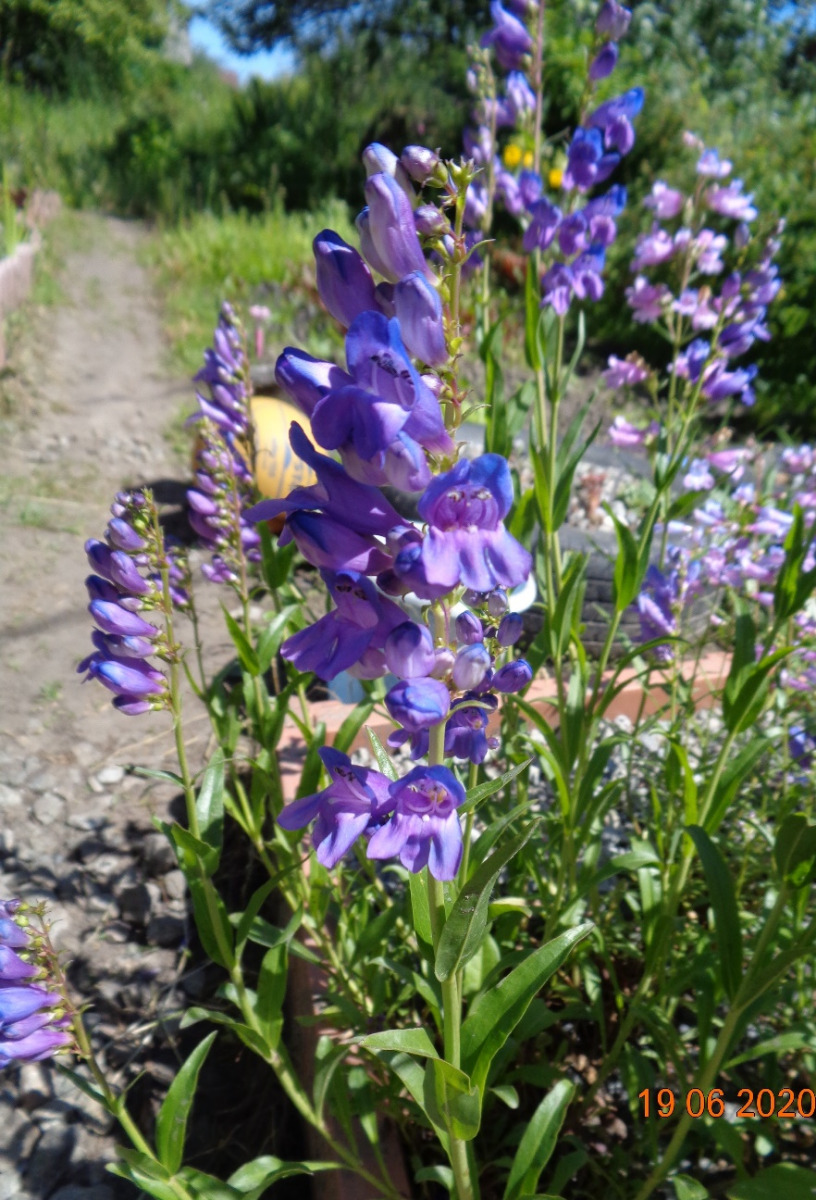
point(470, 668)
point(419, 312)
point(423, 165)
point(604, 62)
point(113, 618)
point(513, 677)
point(409, 651)
point(418, 703)
point(343, 278)
point(613, 20)
point(497, 603)
point(443, 662)
point(510, 629)
point(468, 629)
point(391, 224)
point(123, 536)
point(378, 158)
point(431, 221)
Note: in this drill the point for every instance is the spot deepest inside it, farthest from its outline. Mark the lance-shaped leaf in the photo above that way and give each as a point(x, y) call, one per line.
point(795, 850)
point(724, 903)
point(171, 1123)
point(538, 1141)
point(450, 1100)
point(464, 929)
point(210, 809)
point(497, 1012)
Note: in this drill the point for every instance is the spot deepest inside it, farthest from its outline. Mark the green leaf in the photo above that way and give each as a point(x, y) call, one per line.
point(450, 1099)
point(724, 903)
point(149, 773)
point(483, 790)
point(328, 1057)
point(384, 763)
point(495, 1014)
point(680, 779)
point(404, 1041)
point(793, 585)
point(732, 778)
point(782, 1180)
point(538, 1141)
point(466, 923)
point(795, 850)
point(271, 993)
point(687, 1188)
point(246, 653)
point(80, 1082)
point(212, 921)
point(566, 469)
point(171, 1123)
point(271, 638)
point(507, 1094)
point(313, 766)
point(420, 908)
point(412, 1076)
point(784, 1043)
point(631, 860)
point(747, 685)
point(627, 578)
point(210, 809)
point(207, 1187)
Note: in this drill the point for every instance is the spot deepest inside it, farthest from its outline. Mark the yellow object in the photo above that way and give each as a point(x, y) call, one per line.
point(528, 159)
point(277, 468)
point(512, 156)
point(555, 177)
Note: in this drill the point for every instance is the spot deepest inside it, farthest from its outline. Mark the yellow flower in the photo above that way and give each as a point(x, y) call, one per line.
point(555, 177)
point(528, 160)
point(512, 156)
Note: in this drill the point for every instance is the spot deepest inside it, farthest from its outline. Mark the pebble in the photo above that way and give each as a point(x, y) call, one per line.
point(50, 1157)
point(110, 775)
point(175, 885)
point(10, 797)
point(159, 856)
point(34, 1086)
point(165, 930)
point(48, 808)
point(43, 781)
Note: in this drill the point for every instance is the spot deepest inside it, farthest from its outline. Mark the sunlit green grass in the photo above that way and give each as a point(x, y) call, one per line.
point(207, 259)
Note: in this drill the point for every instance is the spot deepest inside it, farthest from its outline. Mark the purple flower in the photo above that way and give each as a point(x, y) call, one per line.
point(343, 278)
point(508, 37)
point(572, 234)
point(520, 96)
point(730, 201)
point(604, 62)
point(615, 116)
point(665, 202)
point(510, 629)
point(698, 478)
point(647, 300)
point(622, 433)
point(326, 542)
point(653, 248)
point(625, 372)
point(409, 651)
point(30, 1029)
point(468, 629)
point(354, 800)
point(307, 380)
point(418, 703)
point(556, 288)
point(421, 164)
point(419, 312)
point(541, 230)
point(513, 676)
point(655, 609)
point(587, 163)
point(392, 229)
point(471, 665)
point(587, 280)
point(424, 827)
point(466, 541)
point(711, 165)
point(801, 746)
point(613, 20)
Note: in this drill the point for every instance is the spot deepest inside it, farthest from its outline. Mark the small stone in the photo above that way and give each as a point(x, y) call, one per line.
point(43, 781)
point(48, 808)
point(136, 902)
point(86, 754)
point(159, 856)
point(165, 930)
point(175, 885)
point(49, 1159)
point(11, 1185)
point(10, 797)
point(110, 775)
point(35, 1086)
point(87, 822)
point(7, 842)
point(96, 786)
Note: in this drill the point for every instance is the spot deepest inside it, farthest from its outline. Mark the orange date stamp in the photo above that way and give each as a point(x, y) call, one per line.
point(785, 1104)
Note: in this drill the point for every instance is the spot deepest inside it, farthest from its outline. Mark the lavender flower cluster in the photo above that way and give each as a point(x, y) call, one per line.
point(223, 476)
point(33, 1022)
point(575, 238)
point(676, 265)
point(126, 585)
point(383, 418)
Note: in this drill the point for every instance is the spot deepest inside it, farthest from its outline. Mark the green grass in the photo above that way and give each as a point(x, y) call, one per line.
point(245, 259)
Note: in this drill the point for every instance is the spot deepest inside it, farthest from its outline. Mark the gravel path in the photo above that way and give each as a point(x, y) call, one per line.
point(88, 401)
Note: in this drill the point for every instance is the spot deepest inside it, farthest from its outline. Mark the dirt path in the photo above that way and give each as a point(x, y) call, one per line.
point(92, 402)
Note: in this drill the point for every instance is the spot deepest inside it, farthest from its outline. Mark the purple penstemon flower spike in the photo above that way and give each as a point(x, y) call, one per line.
point(32, 1021)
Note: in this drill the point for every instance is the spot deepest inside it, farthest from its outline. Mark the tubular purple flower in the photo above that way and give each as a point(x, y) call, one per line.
point(422, 164)
point(123, 536)
point(508, 37)
point(409, 651)
point(18, 1003)
point(468, 629)
point(307, 380)
point(344, 281)
point(512, 677)
point(13, 968)
point(647, 300)
point(471, 666)
point(466, 541)
point(664, 201)
point(712, 166)
point(613, 20)
point(418, 703)
point(328, 543)
point(431, 221)
point(541, 230)
point(128, 677)
point(392, 228)
point(520, 95)
point(419, 312)
point(604, 62)
point(510, 629)
point(731, 202)
point(624, 373)
point(556, 288)
point(112, 618)
point(424, 828)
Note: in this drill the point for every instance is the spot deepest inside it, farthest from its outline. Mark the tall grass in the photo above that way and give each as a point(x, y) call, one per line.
point(264, 258)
